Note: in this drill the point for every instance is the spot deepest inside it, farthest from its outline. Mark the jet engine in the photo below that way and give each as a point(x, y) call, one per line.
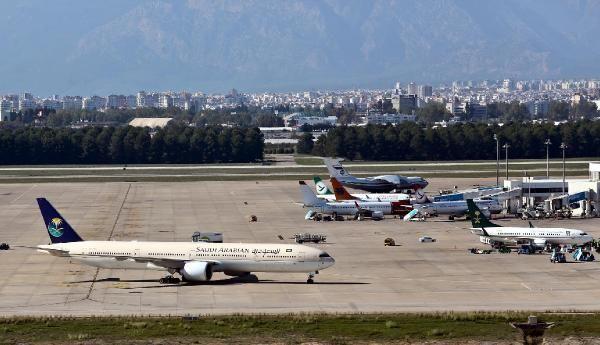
point(197, 271)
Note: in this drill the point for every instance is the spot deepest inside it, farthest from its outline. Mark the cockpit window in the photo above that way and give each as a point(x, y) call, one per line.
point(324, 255)
point(583, 234)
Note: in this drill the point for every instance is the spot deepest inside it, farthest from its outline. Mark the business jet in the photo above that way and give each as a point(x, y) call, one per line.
point(193, 261)
point(340, 193)
point(375, 184)
point(351, 207)
point(540, 237)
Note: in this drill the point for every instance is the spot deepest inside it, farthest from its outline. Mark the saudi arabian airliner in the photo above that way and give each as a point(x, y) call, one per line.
point(193, 261)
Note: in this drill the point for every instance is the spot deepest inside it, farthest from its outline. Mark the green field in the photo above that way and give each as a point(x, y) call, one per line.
point(304, 168)
point(292, 329)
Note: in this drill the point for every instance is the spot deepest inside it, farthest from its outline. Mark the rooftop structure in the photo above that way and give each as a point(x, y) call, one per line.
point(156, 122)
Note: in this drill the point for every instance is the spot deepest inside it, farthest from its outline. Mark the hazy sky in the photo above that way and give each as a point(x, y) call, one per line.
point(93, 46)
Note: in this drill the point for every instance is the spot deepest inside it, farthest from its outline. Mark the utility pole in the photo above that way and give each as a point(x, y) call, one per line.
point(563, 146)
point(547, 143)
point(505, 147)
point(529, 190)
point(497, 161)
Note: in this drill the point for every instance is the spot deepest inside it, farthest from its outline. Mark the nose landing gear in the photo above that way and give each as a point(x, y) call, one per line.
point(311, 275)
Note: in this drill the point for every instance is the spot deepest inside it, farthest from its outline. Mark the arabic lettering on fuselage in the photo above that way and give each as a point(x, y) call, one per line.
point(265, 251)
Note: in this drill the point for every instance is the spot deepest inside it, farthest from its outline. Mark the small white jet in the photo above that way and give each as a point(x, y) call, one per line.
point(453, 208)
point(194, 261)
point(351, 207)
point(540, 237)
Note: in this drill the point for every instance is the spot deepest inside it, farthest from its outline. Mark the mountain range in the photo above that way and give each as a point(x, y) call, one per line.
point(87, 47)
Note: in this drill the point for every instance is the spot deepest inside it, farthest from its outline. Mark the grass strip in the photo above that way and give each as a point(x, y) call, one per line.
point(297, 328)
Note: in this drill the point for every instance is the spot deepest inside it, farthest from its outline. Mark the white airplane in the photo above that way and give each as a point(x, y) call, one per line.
point(494, 233)
point(194, 261)
point(351, 207)
point(453, 208)
point(323, 192)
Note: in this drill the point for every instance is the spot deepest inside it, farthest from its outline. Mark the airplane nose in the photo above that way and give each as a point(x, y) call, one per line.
point(328, 262)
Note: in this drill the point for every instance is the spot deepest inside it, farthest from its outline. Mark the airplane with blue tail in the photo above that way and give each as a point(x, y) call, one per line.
point(193, 261)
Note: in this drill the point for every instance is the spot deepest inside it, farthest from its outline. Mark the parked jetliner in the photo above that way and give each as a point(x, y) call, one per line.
point(351, 207)
point(194, 261)
point(375, 184)
point(342, 194)
point(539, 237)
point(453, 208)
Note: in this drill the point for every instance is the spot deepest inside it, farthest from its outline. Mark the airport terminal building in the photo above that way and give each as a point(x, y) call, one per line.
point(536, 190)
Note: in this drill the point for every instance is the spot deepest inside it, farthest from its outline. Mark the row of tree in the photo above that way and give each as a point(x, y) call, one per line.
point(470, 141)
point(240, 116)
point(129, 145)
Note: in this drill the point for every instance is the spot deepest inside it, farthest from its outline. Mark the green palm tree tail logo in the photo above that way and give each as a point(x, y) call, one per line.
point(54, 227)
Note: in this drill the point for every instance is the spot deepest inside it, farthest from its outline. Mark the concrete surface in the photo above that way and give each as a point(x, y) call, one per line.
point(367, 277)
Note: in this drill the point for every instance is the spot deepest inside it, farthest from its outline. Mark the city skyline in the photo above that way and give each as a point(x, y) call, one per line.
point(461, 99)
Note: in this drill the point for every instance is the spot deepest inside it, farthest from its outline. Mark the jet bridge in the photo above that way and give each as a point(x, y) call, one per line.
point(510, 199)
point(468, 194)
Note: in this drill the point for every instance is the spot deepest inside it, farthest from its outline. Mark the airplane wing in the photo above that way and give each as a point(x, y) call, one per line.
point(51, 251)
point(166, 263)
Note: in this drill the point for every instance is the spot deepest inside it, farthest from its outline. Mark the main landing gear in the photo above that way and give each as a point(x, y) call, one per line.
point(311, 275)
point(169, 280)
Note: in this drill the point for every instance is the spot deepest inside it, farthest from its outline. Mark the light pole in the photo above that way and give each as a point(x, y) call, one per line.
point(497, 161)
point(528, 179)
point(563, 146)
point(547, 143)
point(505, 147)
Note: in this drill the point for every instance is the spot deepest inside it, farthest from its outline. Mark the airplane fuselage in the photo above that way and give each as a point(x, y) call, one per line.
point(232, 257)
point(368, 185)
point(539, 236)
point(349, 208)
point(387, 197)
point(457, 208)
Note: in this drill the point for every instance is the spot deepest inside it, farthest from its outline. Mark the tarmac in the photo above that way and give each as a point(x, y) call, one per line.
point(367, 277)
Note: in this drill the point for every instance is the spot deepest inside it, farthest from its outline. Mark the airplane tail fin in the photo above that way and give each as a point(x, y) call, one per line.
point(309, 198)
point(340, 192)
point(478, 219)
point(57, 226)
point(335, 168)
point(322, 188)
point(421, 197)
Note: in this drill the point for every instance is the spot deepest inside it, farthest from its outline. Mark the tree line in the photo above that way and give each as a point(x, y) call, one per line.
point(469, 141)
point(130, 145)
point(240, 116)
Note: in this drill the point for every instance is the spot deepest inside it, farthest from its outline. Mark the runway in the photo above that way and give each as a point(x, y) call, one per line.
point(367, 276)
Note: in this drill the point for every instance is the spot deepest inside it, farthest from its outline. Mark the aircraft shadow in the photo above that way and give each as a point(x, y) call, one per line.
point(116, 280)
point(230, 281)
